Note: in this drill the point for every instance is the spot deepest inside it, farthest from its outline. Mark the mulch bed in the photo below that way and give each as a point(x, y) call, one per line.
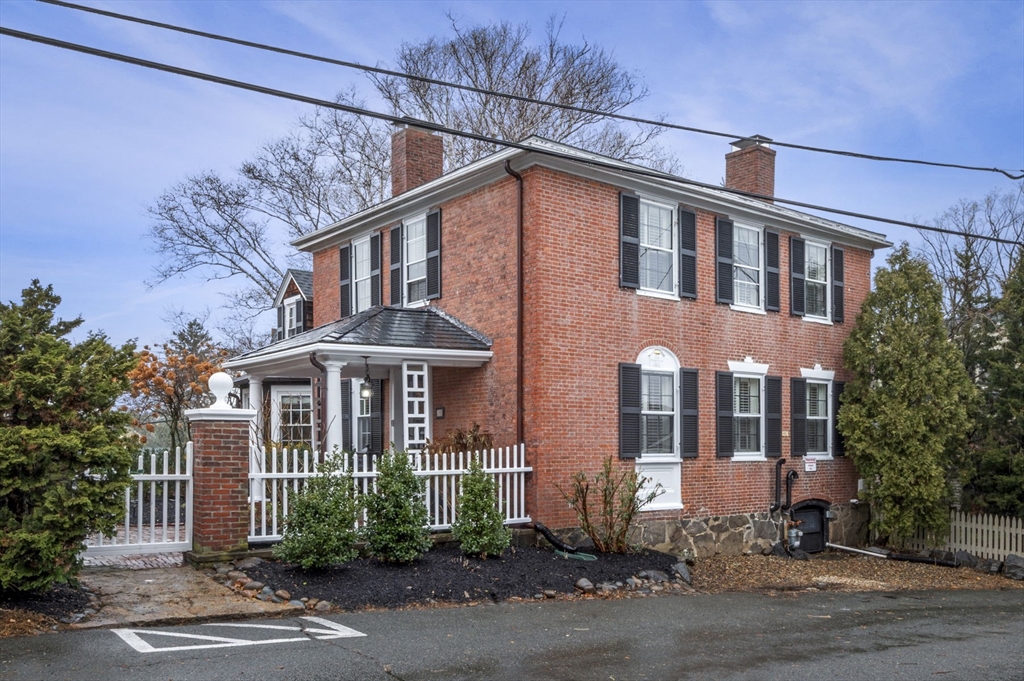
point(24, 614)
point(445, 575)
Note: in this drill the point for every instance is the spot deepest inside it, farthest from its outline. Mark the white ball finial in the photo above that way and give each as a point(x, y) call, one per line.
point(220, 385)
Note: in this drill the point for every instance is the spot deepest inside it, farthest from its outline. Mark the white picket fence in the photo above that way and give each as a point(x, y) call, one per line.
point(276, 475)
point(157, 508)
point(985, 536)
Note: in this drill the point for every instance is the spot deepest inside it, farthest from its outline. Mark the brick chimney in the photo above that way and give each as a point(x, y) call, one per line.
point(750, 166)
point(417, 157)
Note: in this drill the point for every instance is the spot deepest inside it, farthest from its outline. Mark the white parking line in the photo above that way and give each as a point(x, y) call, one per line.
point(132, 636)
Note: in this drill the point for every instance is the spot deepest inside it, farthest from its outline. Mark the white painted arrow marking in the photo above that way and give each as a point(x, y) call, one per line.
point(333, 630)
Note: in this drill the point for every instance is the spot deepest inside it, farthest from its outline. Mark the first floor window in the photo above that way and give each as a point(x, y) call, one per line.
point(657, 247)
point(747, 415)
point(746, 266)
point(295, 420)
point(363, 425)
point(658, 413)
point(817, 418)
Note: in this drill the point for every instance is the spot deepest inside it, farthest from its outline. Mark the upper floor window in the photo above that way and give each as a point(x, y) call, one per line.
point(658, 247)
point(746, 271)
point(362, 272)
point(294, 315)
point(416, 259)
point(816, 289)
point(746, 266)
point(360, 275)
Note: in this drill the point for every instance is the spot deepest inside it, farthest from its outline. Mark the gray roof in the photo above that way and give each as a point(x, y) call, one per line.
point(421, 327)
point(304, 280)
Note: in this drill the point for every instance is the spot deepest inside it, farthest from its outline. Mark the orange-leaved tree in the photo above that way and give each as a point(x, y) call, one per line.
point(172, 378)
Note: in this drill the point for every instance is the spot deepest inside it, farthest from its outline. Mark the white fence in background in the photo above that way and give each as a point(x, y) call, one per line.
point(986, 536)
point(276, 475)
point(157, 508)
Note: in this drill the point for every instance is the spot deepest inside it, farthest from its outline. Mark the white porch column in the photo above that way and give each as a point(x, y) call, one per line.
point(256, 402)
point(332, 419)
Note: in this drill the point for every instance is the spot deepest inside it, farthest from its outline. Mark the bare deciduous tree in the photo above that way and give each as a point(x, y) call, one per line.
point(334, 163)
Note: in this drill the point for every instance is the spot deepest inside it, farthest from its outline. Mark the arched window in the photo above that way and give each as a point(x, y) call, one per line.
point(659, 372)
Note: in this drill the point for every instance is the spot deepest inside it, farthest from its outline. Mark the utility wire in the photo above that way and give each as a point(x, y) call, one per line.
point(506, 95)
point(428, 125)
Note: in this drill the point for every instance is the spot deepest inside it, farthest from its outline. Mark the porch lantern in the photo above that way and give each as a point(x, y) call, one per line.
point(366, 387)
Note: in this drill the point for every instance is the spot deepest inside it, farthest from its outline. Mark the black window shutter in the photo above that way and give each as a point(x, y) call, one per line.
point(279, 331)
point(300, 320)
point(629, 410)
point(798, 416)
point(346, 414)
point(434, 254)
point(723, 407)
point(375, 269)
point(838, 265)
point(687, 253)
point(307, 315)
point(838, 442)
point(377, 417)
point(796, 278)
point(396, 265)
point(771, 271)
point(689, 402)
point(773, 416)
point(346, 281)
point(723, 265)
point(629, 240)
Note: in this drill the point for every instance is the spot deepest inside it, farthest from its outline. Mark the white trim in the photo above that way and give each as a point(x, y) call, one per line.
point(279, 391)
point(418, 217)
point(355, 279)
point(673, 251)
point(817, 373)
point(744, 308)
point(749, 367)
point(817, 320)
point(293, 358)
point(827, 454)
point(761, 269)
point(652, 293)
point(827, 317)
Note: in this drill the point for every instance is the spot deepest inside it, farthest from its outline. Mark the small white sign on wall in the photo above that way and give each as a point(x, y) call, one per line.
point(810, 464)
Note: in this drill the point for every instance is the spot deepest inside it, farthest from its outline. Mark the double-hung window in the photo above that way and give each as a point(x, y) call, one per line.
point(817, 418)
point(658, 415)
point(746, 271)
point(416, 260)
point(657, 247)
point(360, 275)
point(363, 425)
point(361, 272)
point(292, 314)
point(813, 409)
point(746, 409)
point(749, 405)
point(292, 417)
point(816, 280)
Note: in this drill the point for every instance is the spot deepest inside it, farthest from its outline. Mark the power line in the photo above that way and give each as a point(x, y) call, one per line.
point(434, 127)
point(519, 98)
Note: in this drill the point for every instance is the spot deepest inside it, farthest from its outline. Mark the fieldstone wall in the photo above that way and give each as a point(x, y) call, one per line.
point(731, 535)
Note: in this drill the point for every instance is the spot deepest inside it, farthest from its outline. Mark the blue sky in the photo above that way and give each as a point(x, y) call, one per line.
point(86, 145)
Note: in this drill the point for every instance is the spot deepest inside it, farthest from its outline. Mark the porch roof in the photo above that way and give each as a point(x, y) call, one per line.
point(387, 335)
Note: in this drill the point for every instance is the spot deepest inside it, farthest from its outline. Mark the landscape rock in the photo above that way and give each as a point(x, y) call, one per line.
point(323, 606)
point(252, 586)
point(283, 595)
point(585, 585)
point(235, 574)
point(965, 559)
point(683, 572)
point(550, 593)
point(606, 587)
point(246, 563)
point(297, 604)
point(657, 576)
point(939, 554)
point(1013, 567)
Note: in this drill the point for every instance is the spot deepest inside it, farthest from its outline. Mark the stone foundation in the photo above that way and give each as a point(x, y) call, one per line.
point(731, 535)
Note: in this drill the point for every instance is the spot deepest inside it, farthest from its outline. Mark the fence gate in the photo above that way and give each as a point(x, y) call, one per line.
point(157, 508)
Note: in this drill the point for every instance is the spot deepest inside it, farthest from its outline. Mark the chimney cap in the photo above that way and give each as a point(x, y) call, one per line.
point(753, 140)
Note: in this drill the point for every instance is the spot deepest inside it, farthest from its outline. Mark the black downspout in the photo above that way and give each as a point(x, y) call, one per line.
point(320, 397)
point(519, 305)
point(790, 477)
point(778, 486)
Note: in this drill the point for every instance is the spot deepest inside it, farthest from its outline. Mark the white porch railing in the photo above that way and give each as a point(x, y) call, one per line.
point(986, 536)
point(278, 474)
point(157, 508)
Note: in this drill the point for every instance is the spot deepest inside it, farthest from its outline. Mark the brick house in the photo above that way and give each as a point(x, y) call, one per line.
point(561, 300)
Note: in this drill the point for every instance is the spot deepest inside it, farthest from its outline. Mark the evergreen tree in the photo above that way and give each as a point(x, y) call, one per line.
point(997, 478)
point(906, 412)
point(65, 451)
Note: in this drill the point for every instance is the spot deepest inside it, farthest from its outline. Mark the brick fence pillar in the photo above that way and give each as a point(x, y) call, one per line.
point(220, 474)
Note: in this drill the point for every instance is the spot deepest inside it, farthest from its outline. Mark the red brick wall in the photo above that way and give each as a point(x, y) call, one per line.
point(751, 170)
point(417, 157)
point(326, 286)
point(220, 516)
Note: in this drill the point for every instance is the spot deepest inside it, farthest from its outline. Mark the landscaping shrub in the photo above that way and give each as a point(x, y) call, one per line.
point(479, 525)
point(320, 528)
point(396, 515)
point(620, 498)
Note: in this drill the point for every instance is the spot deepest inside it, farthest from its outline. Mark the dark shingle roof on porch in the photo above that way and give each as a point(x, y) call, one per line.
point(423, 327)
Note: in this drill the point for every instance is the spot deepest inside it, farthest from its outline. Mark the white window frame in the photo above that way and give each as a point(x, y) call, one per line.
point(291, 315)
point(277, 392)
point(826, 318)
point(359, 420)
point(673, 251)
point(663, 469)
point(760, 270)
point(825, 377)
point(367, 280)
point(407, 262)
point(749, 369)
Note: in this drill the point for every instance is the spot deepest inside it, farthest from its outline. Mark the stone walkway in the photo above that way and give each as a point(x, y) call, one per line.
point(142, 561)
